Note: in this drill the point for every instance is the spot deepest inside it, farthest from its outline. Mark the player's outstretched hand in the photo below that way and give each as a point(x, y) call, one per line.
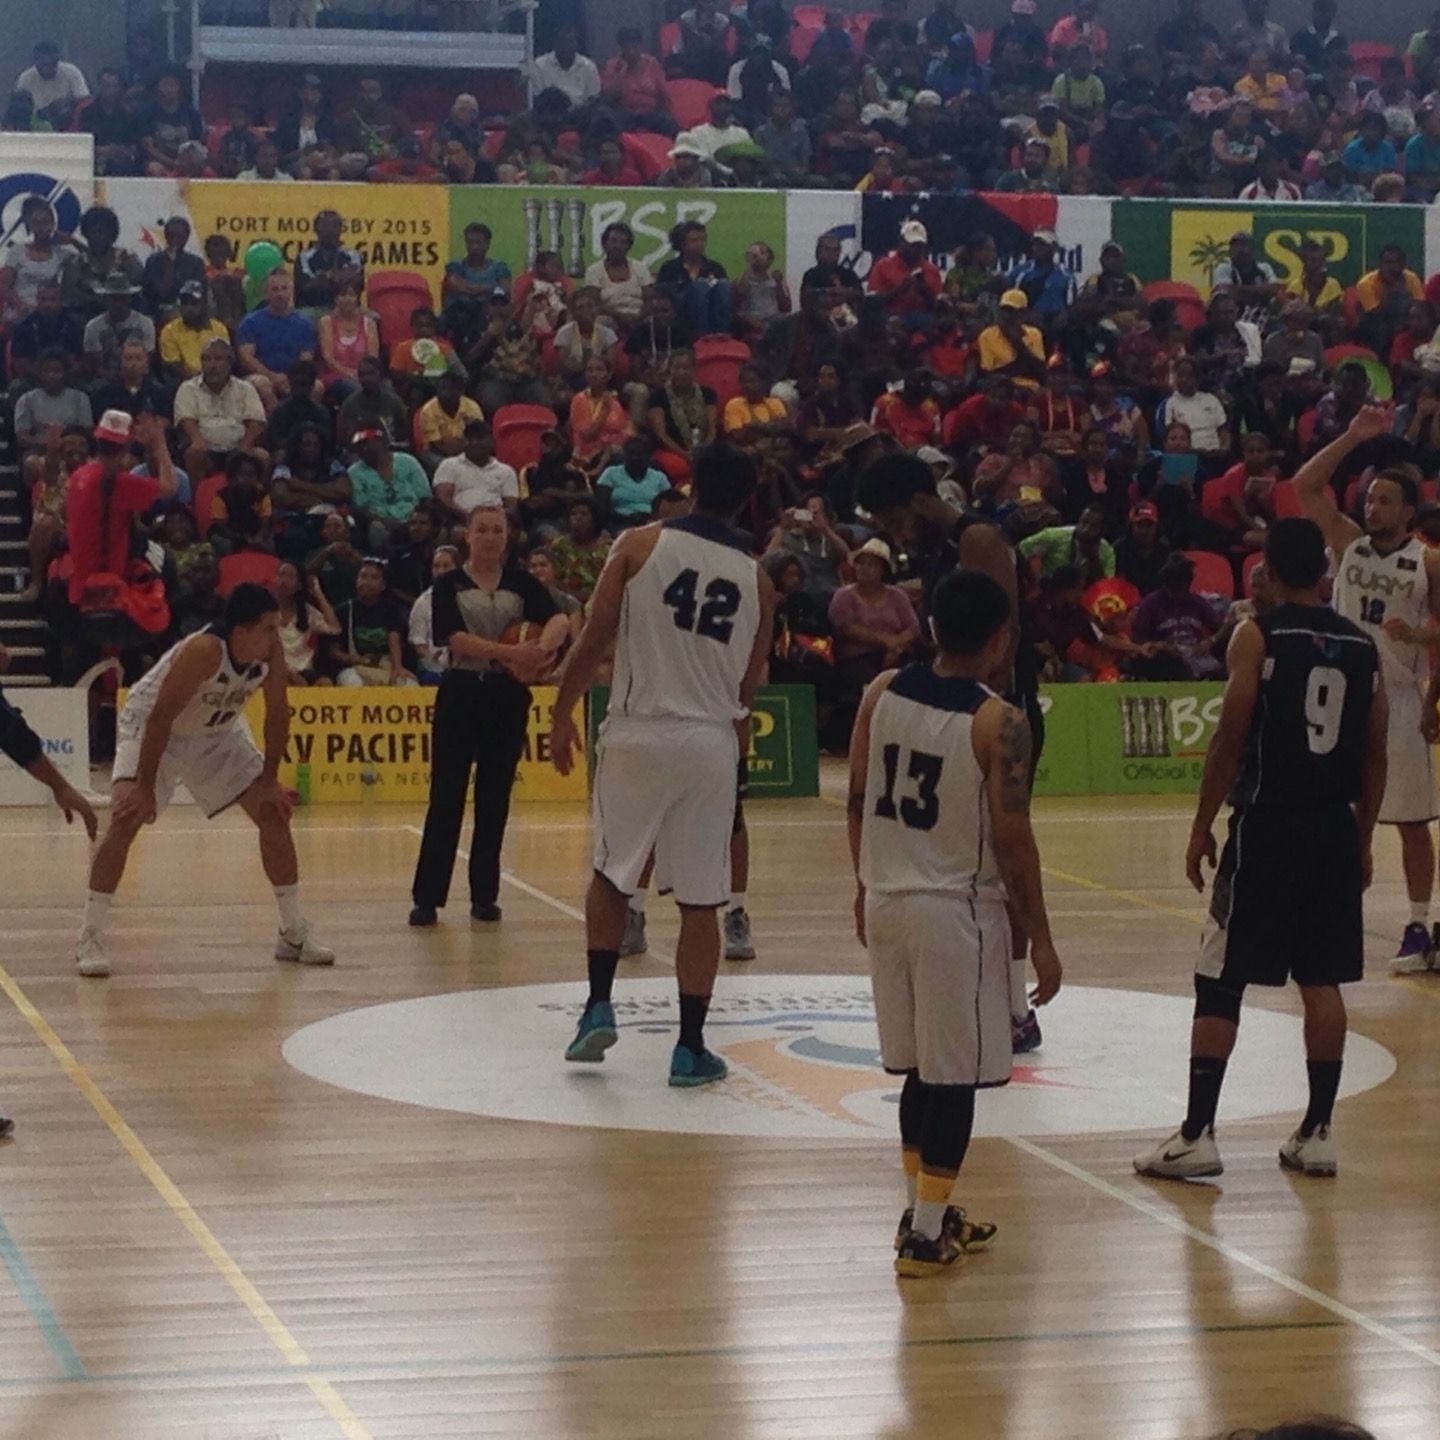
point(73, 803)
point(272, 795)
point(1048, 971)
point(562, 743)
point(1201, 848)
point(860, 914)
point(1372, 421)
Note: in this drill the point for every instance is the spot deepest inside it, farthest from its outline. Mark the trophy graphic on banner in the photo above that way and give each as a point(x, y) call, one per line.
point(563, 232)
point(1145, 726)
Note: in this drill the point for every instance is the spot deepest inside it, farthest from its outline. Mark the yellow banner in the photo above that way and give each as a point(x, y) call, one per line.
point(374, 742)
point(394, 227)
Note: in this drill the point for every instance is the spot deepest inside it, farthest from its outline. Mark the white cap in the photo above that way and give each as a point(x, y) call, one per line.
point(912, 232)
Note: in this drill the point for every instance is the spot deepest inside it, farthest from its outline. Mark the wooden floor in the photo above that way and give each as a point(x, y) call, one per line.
point(201, 1241)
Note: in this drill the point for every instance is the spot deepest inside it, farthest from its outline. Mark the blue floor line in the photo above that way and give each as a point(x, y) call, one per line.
point(71, 1366)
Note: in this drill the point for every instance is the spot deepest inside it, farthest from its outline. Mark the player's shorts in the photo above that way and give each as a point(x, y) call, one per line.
point(217, 769)
point(666, 786)
point(1286, 903)
point(1409, 764)
point(940, 971)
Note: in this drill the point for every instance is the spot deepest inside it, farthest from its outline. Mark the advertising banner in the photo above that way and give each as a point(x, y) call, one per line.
point(61, 718)
point(58, 168)
point(394, 227)
point(570, 220)
point(1064, 767)
point(373, 743)
point(1188, 239)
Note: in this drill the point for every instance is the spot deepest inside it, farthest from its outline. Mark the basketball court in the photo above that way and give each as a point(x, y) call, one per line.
point(248, 1200)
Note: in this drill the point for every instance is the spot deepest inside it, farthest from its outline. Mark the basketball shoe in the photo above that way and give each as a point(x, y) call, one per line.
point(90, 957)
point(1313, 1153)
point(634, 941)
point(595, 1034)
point(1025, 1035)
point(920, 1256)
point(739, 945)
point(303, 950)
point(1180, 1159)
point(968, 1234)
point(689, 1068)
point(1416, 954)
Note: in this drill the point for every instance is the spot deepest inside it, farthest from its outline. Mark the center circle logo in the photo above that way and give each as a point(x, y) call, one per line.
point(804, 1061)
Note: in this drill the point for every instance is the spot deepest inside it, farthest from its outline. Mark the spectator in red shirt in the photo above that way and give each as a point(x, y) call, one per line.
point(633, 83)
point(986, 418)
point(910, 414)
point(1249, 497)
point(104, 497)
point(615, 167)
point(907, 279)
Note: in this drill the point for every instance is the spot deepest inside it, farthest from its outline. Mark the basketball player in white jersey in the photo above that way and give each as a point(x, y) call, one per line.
point(690, 613)
point(184, 724)
point(941, 839)
point(1387, 580)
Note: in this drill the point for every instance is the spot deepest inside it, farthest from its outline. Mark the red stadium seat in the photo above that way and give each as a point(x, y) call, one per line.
point(392, 295)
point(1213, 575)
point(648, 152)
point(1368, 54)
point(518, 429)
point(246, 565)
point(984, 43)
point(811, 16)
point(718, 359)
point(202, 494)
point(669, 38)
point(1305, 430)
point(1189, 306)
point(802, 41)
point(690, 101)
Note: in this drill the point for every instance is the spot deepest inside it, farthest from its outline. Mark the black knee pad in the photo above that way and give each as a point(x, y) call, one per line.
point(1216, 1001)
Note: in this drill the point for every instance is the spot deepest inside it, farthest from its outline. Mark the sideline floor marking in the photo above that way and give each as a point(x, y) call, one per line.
point(185, 1213)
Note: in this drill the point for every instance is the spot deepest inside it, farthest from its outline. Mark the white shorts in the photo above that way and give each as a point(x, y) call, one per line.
point(1409, 765)
point(666, 786)
point(216, 769)
point(940, 970)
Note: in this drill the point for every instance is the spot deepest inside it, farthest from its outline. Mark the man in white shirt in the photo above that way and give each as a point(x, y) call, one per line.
point(216, 411)
point(1269, 183)
point(53, 84)
point(475, 477)
point(565, 69)
point(1201, 411)
point(721, 129)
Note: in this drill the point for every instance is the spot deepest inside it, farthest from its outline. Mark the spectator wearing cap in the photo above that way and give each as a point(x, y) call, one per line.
point(273, 337)
point(307, 125)
point(565, 69)
point(1048, 288)
point(170, 268)
point(1023, 33)
point(505, 357)
point(906, 279)
point(928, 138)
point(475, 478)
point(1141, 552)
point(119, 322)
point(105, 496)
point(1035, 173)
point(1270, 182)
point(385, 487)
point(325, 264)
point(1422, 152)
point(183, 339)
point(689, 168)
point(1334, 185)
point(216, 411)
point(54, 85)
point(873, 620)
point(1079, 29)
point(632, 83)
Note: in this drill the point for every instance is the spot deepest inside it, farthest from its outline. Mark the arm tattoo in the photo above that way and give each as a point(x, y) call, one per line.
point(856, 805)
point(1015, 746)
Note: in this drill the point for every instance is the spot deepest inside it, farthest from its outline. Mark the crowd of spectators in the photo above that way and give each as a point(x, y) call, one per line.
point(1134, 456)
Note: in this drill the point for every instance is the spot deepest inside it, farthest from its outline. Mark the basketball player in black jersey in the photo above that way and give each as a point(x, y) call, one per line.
point(1300, 749)
point(899, 490)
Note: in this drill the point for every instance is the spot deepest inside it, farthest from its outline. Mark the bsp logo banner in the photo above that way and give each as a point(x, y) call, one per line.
point(570, 220)
point(373, 743)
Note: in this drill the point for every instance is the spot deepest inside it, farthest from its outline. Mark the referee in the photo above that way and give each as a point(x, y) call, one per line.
point(481, 711)
point(22, 745)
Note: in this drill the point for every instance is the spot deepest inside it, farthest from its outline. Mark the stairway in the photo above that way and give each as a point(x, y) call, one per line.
point(22, 631)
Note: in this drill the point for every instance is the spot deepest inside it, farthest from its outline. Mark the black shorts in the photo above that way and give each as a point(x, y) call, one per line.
point(742, 789)
point(1286, 903)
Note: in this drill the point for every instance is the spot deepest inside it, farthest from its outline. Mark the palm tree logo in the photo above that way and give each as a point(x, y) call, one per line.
point(1207, 254)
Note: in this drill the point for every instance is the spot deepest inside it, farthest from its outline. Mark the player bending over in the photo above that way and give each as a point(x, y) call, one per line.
point(184, 724)
point(940, 835)
point(1300, 748)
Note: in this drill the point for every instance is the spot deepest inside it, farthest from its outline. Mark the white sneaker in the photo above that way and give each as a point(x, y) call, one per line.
point(304, 951)
point(1314, 1154)
point(90, 956)
point(1180, 1159)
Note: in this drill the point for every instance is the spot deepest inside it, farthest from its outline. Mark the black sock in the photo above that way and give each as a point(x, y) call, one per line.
point(602, 965)
point(1207, 1075)
point(692, 1021)
point(1324, 1083)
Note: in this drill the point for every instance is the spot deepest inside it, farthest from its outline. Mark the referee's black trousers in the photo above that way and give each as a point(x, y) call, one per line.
point(480, 721)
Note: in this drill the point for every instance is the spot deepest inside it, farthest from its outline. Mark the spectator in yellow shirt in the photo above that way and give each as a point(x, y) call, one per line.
point(754, 415)
point(182, 340)
point(1049, 127)
point(1384, 297)
point(1314, 284)
point(441, 420)
point(1266, 89)
point(1010, 346)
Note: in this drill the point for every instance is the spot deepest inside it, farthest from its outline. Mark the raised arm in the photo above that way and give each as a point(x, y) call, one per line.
point(1313, 480)
point(1244, 659)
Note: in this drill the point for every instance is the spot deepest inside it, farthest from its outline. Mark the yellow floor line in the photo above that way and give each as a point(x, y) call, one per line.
point(280, 1336)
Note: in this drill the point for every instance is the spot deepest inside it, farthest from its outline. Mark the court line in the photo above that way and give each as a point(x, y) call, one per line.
point(38, 1304)
point(275, 1328)
point(1232, 1253)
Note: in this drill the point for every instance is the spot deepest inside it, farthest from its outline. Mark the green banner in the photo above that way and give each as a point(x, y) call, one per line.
point(570, 220)
point(784, 756)
point(1187, 239)
point(1064, 767)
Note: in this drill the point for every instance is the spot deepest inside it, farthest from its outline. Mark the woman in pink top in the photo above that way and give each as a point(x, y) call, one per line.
point(598, 421)
point(347, 336)
point(873, 621)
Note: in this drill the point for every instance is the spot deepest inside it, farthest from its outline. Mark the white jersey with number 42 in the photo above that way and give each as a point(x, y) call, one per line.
point(218, 702)
point(1371, 588)
point(687, 626)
